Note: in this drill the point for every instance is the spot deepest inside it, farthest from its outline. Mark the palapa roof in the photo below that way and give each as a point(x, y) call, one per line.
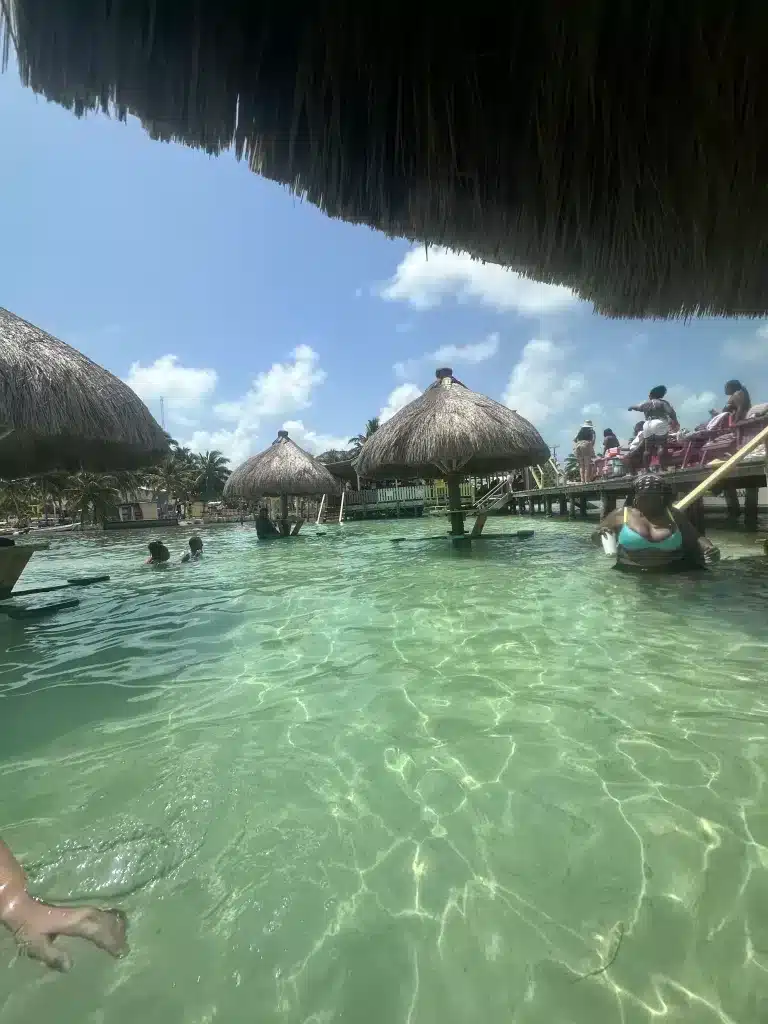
point(613, 147)
point(61, 411)
point(451, 429)
point(283, 468)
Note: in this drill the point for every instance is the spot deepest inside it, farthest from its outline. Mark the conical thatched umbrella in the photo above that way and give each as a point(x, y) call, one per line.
point(447, 432)
point(59, 410)
point(280, 470)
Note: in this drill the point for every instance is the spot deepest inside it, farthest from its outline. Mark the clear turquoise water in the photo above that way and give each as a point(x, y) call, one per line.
point(341, 779)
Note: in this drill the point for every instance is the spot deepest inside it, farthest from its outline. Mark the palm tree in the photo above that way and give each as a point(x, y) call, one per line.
point(172, 478)
point(18, 498)
point(129, 483)
point(94, 494)
point(571, 467)
point(210, 474)
point(371, 426)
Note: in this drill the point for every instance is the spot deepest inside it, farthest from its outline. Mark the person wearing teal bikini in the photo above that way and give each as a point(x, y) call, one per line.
point(651, 535)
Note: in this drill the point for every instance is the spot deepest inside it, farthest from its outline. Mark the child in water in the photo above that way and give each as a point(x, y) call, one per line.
point(158, 553)
point(195, 552)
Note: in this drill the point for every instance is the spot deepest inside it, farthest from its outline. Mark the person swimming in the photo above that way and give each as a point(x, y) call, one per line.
point(652, 535)
point(158, 553)
point(195, 552)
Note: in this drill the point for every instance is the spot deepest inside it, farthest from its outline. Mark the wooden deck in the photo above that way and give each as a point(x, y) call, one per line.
point(574, 499)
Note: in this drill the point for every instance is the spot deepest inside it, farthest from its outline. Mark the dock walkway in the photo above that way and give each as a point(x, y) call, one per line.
point(573, 499)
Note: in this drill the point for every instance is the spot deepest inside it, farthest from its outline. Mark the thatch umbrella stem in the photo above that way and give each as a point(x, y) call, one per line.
point(454, 504)
point(284, 524)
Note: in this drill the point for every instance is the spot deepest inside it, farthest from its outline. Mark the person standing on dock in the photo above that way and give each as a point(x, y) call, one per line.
point(584, 450)
point(660, 417)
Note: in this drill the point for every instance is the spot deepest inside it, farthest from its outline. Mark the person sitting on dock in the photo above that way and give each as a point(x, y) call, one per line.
point(609, 440)
point(652, 535)
point(739, 403)
point(195, 552)
point(265, 528)
point(158, 553)
point(660, 418)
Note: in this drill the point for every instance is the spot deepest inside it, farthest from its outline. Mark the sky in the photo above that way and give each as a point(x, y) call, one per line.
point(247, 310)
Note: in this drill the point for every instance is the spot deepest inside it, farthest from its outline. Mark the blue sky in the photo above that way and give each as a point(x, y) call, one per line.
point(196, 280)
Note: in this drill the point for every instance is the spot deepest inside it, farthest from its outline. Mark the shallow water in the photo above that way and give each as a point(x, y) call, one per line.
point(341, 779)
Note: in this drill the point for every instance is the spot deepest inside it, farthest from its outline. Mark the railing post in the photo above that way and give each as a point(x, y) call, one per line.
point(320, 511)
point(341, 507)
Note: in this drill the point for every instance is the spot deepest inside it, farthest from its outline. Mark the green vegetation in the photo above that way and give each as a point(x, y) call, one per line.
point(371, 426)
point(93, 497)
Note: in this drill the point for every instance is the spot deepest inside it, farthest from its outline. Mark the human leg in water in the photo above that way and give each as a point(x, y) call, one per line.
point(36, 925)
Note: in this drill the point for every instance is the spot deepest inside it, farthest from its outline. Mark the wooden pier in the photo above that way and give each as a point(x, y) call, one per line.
point(573, 500)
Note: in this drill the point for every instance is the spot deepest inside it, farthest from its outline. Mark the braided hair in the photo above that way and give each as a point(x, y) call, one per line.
point(653, 483)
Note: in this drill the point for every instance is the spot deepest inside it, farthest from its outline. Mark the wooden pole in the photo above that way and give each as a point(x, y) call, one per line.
point(750, 508)
point(583, 506)
point(732, 502)
point(284, 527)
point(453, 480)
point(563, 505)
point(608, 504)
point(723, 470)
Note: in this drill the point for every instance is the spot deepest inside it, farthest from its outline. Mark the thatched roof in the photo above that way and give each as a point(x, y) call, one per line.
point(615, 147)
point(451, 429)
point(283, 468)
point(59, 410)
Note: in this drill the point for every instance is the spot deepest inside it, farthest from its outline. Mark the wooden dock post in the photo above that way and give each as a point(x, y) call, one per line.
point(548, 504)
point(572, 511)
point(563, 504)
point(583, 506)
point(750, 508)
point(732, 502)
point(607, 503)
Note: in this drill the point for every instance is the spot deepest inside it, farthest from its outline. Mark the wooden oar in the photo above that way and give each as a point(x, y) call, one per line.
point(723, 470)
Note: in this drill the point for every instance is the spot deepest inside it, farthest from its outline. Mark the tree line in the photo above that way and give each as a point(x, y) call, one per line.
point(93, 497)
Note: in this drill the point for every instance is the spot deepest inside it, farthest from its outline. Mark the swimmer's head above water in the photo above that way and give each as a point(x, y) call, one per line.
point(653, 494)
point(158, 552)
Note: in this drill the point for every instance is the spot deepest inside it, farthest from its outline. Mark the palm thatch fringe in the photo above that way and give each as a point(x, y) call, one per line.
point(449, 430)
point(281, 469)
point(59, 410)
point(613, 147)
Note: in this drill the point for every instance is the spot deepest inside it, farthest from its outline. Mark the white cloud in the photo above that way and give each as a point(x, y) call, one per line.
point(237, 445)
point(749, 348)
point(182, 387)
point(691, 407)
point(402, 395)
point(592, 409)
point(311, 441)
point(449, 355)
point(282, 389)
point(424, 279)
point(540, 384)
